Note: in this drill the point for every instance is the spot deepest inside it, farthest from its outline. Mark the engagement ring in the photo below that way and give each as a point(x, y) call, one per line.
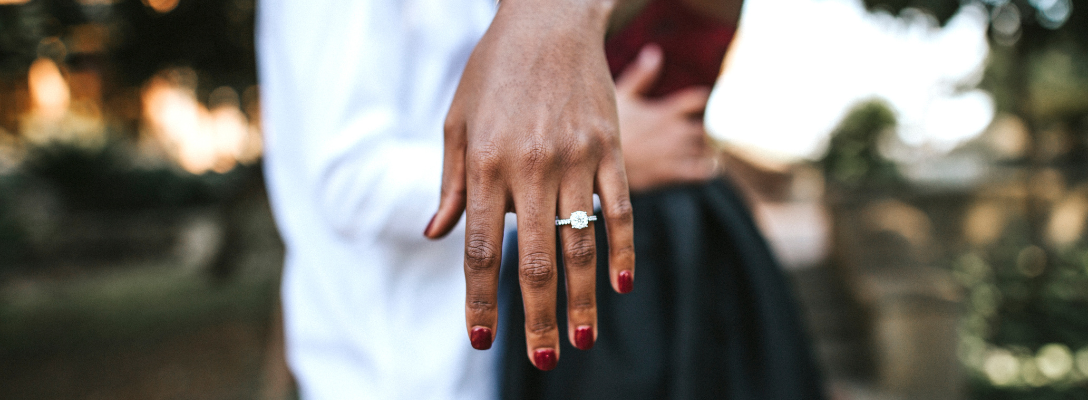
point(578, 220)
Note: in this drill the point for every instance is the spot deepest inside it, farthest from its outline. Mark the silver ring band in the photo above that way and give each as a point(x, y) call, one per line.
point(577, 220)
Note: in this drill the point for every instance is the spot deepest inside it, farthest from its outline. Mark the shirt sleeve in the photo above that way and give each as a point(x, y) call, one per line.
point(353, 77)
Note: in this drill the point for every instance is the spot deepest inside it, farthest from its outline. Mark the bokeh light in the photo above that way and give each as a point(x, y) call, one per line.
point(1067, 220)
point(1052, 13)
point(1054, 361)
point(48, 90)
point(198, 138)
point(161, 6)
point(1082, 361)
point(1001, 367)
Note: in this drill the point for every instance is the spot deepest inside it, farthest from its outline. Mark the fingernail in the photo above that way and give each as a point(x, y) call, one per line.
point(427, 230)
point(481, 338)
point(625, 282)
point(583, 337)
point(545, 359)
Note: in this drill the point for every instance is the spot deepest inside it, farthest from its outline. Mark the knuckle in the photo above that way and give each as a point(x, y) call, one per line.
point(535, 153)
point(579, 148)
point(541, 327)
point(621, 211)
point(624, 255)
point(480, 306)
point(454, 188)
point(537, 269)
point(607, 132)
point(581, 252)
point(581, 304)
point(480, 253)
point(451, 125)
point(485, 157)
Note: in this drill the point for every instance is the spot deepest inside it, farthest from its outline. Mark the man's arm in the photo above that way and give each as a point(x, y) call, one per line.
point(340, 103)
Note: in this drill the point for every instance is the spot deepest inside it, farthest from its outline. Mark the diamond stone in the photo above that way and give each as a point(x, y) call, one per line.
point(579, 220)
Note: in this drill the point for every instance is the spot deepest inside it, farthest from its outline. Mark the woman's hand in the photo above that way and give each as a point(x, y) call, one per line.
point(664, 141)
point(533, 130)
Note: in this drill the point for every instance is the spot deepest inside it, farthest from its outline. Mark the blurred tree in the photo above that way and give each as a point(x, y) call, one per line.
point(213, 37)
point(1026, 294)
point(12, 238)
point(21, 29)
point(107, 51)
point(1027, 37)
point(105, 179)
point(853, 158)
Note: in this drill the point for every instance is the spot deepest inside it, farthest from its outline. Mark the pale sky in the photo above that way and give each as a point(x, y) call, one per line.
point(798, 65)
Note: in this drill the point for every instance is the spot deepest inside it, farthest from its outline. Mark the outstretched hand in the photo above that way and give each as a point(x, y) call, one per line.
point(533, 130)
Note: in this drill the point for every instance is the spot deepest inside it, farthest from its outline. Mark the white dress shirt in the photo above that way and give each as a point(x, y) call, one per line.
point(354, 95)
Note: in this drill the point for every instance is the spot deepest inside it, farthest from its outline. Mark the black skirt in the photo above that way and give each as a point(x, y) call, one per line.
point(711, 315)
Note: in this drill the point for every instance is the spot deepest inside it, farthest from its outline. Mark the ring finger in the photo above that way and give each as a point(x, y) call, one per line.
point(579, 259)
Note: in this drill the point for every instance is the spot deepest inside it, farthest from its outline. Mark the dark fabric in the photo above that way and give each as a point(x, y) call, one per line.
point(711, 315)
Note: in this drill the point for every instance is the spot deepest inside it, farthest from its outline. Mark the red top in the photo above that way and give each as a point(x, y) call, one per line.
point(693, 45)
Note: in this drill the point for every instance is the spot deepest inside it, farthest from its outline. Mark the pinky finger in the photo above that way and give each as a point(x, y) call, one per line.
point(619, 222)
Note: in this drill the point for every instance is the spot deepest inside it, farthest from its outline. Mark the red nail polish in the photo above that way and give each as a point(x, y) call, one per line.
point(583, 338)
point(428, 228)
point(481, 338)
point(625, 282)
point(545, 359)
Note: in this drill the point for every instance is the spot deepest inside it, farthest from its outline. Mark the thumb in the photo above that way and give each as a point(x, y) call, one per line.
point(638, 77)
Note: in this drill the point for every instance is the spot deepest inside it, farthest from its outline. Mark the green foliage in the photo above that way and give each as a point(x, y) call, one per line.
point(213, 37)
point(21, 29)
point(853, 156)
point(983, 390)
point(1032, 31)
point(943, 10)
point(13, 242)
point(1022, 297)
point(104, 179)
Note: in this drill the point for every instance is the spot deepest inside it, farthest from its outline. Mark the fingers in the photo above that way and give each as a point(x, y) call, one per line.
point(691, 100)
point(580, 261)
point(619, 221)
point(483, 244)
point(639, 77)
point(535, 203)
point(452, 200)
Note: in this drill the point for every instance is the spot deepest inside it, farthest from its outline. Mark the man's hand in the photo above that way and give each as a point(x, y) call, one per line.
point(664, 141)
point(533, 130)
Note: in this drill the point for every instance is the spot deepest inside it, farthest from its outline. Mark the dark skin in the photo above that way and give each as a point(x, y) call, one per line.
point(533, 129)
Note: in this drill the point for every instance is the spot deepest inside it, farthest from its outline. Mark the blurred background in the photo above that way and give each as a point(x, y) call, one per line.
point(921, 167)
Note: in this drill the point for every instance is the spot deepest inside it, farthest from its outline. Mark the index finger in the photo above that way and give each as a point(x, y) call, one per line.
point(483, 244)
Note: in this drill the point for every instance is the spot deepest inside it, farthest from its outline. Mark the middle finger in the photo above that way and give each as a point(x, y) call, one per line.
point(534, 202)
